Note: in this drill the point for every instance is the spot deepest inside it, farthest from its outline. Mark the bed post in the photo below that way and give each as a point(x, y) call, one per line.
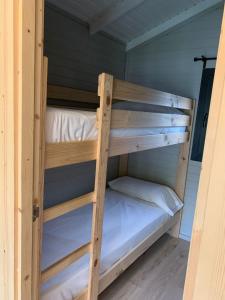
point(182, 169)
point(105, 92)
point(123, 165)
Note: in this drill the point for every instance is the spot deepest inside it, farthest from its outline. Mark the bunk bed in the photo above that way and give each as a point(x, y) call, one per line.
point(65, 151)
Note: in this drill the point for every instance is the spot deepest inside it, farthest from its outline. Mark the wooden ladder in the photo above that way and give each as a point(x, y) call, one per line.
point(104, 117)
point(97, 198)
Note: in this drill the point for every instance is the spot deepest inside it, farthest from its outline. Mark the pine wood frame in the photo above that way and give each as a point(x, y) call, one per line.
point(22, 131)
point(60, 154)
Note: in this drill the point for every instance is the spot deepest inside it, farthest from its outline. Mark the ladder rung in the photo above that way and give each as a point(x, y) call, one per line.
point(63, 208)
point(64, 262)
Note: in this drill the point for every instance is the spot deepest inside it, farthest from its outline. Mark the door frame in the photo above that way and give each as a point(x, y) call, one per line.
point(206, 264)
point(21, 25)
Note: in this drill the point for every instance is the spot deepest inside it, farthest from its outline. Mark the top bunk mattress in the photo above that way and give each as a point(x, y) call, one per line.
point(68, 125)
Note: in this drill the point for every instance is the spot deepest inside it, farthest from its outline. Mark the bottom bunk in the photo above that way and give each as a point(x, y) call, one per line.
point(130, 227)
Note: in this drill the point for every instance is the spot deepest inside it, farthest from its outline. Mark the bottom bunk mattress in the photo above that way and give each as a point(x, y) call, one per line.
point(127, 222)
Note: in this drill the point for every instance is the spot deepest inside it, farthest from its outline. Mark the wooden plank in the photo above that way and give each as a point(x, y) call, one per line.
point(105, 92)
point(124, 90)
point(205, 273)
point(180, 18)
point(71, 94)
point(121, 265)
point(112, 12)
point(182, 169)
point(140, 143)
point(8, 163)
point(137, 119)
point(39, 168)
point(123, 165)
point(64, 262)
point(67, 206)
point(25, 62)
point(61, 154)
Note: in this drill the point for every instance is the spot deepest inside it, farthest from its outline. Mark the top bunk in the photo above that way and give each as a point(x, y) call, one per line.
point(150, 119)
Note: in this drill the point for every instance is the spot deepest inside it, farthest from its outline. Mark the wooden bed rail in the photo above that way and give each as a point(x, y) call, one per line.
point(62, 154)
point(137, 119)
point(68, 206)
point(64, 262)
point(124, 90)
point(65, 93)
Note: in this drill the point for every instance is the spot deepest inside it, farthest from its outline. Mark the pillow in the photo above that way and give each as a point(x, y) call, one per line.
point(161, 195)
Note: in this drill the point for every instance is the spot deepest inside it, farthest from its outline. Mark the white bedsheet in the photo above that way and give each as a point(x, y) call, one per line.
point(66, 125)
point(127, 222)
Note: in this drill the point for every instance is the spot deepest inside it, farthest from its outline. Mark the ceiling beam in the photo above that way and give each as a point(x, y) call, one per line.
point(176, 20)
point(116, 9)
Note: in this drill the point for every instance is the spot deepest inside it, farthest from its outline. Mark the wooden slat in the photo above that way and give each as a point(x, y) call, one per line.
point(182, 169)
point(64, 262)
point(123, 90)
point(123, 165)
point(137, 119)
point(65, 207)
point(71, 94)
point(61, 154)
point(139, 143)
point(105, 93)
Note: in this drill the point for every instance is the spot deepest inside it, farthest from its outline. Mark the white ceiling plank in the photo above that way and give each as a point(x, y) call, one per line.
point(117, 9)
point(176, 20)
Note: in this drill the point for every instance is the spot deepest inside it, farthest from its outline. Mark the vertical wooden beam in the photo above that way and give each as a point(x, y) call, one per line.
point(123, 165)
point(17, 122)
point(8, 92)
point(205, 273)
point(41, 70)
point(182, 169)
point(39, 168)
point(105, 93)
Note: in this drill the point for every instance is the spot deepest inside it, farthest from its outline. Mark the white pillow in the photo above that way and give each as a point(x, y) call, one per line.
point(161, 195)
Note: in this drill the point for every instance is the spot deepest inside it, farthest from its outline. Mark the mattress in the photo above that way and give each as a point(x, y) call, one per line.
point(67, 125)
point(127, 222)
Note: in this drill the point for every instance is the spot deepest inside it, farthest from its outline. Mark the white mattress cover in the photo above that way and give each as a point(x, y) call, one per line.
point(127, 222)
point(67, 125)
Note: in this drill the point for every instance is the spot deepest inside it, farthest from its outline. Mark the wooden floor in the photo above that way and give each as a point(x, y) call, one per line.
point(157, 275)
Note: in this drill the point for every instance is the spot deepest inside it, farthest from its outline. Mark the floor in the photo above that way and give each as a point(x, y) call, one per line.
point(157, 275)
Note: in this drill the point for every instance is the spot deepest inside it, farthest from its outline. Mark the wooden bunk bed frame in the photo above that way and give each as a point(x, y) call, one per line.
point(61, 154)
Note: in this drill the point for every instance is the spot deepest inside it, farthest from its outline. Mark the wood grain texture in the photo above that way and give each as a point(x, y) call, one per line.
point(182, 170)
point(64, 262)
point(105, 92)
point(71, 94)
point(124, 90)
point(205, 276)
point(125, 145)
point(157, 275)
point(136, 119)
point(8, 168)
point(67, 206)
point(123, 165)
point(61, 154)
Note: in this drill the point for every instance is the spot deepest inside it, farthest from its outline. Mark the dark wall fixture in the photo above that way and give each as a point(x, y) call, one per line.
point(203, 108)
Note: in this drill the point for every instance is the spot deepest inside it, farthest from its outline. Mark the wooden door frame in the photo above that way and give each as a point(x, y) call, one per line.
point(205, 273)
point(19, 82)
